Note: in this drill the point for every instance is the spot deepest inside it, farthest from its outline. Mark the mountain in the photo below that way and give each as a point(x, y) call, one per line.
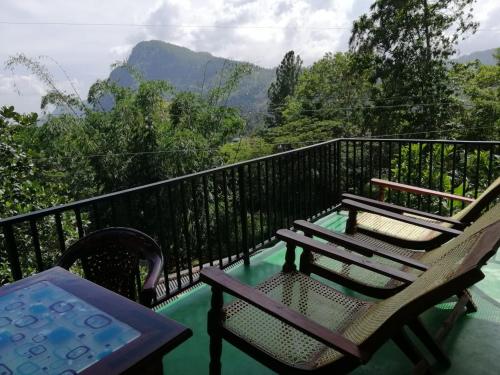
point(188, 70)
point(485, 57)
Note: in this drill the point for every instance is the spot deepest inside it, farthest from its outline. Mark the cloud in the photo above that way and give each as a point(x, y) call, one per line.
point(21, 90)
point(259, 31)
point(20, 83)
point(487, 13)
point(122, 51)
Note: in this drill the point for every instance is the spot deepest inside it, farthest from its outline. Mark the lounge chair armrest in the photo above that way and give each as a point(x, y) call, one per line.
point(343, 256)
point(401, 209)
point(217, 278)
point(418, 190)
point(353, 205)
point(353, 244)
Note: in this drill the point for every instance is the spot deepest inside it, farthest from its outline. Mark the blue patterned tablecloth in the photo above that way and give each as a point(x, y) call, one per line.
point(46, 330)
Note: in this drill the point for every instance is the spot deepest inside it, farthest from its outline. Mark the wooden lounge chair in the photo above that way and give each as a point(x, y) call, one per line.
point(295, 324)
point(412, 228)
point(110, 257)
point(374, 284)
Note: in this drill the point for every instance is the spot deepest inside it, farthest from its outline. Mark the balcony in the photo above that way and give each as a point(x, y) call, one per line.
point(228, 216)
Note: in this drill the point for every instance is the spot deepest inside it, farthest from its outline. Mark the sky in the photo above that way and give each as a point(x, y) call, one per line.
point(258, 31)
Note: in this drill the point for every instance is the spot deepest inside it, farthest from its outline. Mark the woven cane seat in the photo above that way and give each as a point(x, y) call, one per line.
point(303, 294)
point(395, 228)
point(354, 319)
point(373, 279)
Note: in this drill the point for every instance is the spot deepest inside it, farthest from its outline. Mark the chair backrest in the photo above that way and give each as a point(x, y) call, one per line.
point(488, 217)
point(458, 269)
point(110, 257)
point(472, 211)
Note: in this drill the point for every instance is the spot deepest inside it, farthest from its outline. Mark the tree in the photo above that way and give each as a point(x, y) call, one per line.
point(412, 41)
point(21, 187)
point(287, 76)
point(477, 94)
point(24, 187)
point(329, 101)
point(245, 149)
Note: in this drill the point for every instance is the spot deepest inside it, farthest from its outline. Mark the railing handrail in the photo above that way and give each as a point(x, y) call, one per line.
point(83, 202)
point(415, 140)
point(69, 206)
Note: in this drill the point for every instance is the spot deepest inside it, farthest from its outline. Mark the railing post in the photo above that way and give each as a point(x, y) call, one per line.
point(243, 215)
point(12, 254)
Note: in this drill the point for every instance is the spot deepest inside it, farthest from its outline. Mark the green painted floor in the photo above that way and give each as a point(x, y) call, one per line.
point(473, 345)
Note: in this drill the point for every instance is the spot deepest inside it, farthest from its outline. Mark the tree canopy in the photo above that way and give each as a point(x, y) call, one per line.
point(412, 42)
point(287, 76)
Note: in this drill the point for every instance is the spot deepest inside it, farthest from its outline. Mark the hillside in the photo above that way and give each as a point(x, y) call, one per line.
point(485, 57)
point(188, 70)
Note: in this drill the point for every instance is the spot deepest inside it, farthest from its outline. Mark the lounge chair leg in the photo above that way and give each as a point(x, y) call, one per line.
point(289, 265)
point(421, 332)
point(350, 227)
point(214, 329)
point(407, 347)
point(471, 306)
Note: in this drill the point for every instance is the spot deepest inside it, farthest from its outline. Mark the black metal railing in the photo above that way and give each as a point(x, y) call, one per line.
point(461, 167)
point(221, 216)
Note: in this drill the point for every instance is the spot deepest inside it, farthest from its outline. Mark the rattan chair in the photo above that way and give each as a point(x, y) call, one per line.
point(355, 277)
point(295, 324)
point(412, 228)
point(110, 257)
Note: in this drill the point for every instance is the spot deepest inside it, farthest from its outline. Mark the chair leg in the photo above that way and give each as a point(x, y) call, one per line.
point(350, 227)
point(215, 354)
point(471, 306)
point(214, 328)
point(289, 265)
point(407, 347)
point(421, 332)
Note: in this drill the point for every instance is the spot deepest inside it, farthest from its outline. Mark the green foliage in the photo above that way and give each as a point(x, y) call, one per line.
point(419, 168)
point(143, 138)
point(245, 149)
point(411, 42)
point(477, 91)
point(328, 102)
point(303, 132)
point(24, 187)
point(287, 76)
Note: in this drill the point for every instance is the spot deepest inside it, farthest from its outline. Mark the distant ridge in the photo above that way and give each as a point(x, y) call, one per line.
point(188, 70)
point(485, 57)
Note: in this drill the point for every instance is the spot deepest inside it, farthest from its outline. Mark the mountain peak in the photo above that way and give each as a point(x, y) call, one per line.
point(188, 70)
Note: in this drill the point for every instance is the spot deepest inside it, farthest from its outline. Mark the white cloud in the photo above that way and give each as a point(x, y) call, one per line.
point(20, 82)
point(22, 90)
point(121, 52)
point(259, 31)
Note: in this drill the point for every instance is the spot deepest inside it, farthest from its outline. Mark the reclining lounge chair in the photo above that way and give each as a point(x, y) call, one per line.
point(295, 324)
point(412, 228)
